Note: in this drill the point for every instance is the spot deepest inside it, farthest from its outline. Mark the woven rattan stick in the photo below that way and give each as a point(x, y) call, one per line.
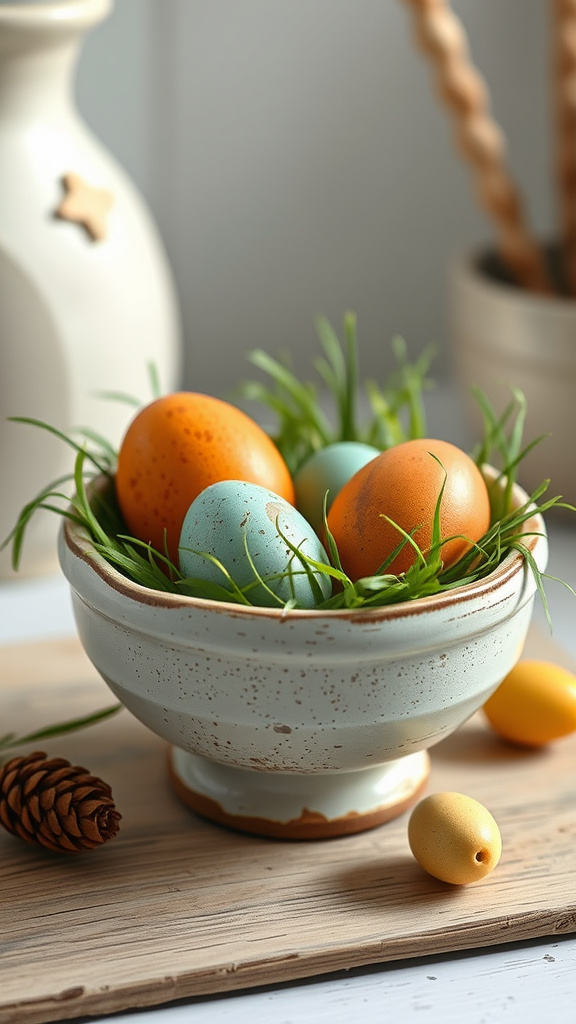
point(565, 59)
point(441, 35)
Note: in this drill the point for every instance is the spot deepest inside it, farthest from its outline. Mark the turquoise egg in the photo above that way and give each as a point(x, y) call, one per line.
point(328, 470)
point(236, 523)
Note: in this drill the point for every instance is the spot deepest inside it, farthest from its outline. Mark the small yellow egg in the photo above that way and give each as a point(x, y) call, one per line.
point(454, 838)
point(534, 705)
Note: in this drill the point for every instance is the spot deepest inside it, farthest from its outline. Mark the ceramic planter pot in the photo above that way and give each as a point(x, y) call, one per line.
point(300, 724)
point(502, 335)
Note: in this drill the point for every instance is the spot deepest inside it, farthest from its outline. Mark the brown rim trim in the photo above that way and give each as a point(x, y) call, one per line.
point(310, 824)
point(79, 547)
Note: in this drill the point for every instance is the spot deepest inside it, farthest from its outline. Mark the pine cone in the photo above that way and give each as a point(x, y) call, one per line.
point(55, 804)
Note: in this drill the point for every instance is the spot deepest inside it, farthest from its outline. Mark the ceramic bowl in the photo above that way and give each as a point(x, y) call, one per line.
point(305, 724)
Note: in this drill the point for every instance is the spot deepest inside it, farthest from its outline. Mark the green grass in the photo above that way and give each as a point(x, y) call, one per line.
point(396, 408)
point(396, 413)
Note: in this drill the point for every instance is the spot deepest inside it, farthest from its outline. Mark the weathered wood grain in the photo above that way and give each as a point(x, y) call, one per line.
point(176, 906)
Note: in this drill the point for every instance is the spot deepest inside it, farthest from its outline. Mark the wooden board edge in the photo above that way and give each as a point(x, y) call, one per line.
point(235, 978)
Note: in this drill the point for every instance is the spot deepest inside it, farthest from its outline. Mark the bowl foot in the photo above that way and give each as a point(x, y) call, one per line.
point(298, 806)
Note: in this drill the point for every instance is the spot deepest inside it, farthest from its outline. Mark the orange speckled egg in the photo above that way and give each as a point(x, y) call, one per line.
point(404, 484)
point(180, 444)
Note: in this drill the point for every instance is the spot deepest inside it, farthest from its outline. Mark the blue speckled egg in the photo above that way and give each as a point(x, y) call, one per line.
point(328, 470)
point(235, 521)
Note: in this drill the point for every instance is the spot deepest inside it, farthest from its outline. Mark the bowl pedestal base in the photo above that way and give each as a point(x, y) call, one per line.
point(292, 805)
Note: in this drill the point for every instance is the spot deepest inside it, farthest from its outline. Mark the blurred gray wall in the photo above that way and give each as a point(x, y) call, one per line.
point(297, 160)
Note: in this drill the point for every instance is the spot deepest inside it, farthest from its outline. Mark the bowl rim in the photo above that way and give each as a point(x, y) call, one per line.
point(78, 543)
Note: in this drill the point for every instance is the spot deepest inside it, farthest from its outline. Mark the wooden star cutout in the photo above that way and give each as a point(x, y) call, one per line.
point(86, 205)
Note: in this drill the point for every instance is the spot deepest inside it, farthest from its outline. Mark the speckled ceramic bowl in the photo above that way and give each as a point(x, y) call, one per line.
point(303, 724)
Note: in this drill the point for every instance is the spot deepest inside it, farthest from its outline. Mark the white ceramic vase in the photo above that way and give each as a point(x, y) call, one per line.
point(502, 336)
point(87, 302)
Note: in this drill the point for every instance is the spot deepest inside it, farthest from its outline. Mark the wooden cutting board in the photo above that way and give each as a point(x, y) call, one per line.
point(175, 906)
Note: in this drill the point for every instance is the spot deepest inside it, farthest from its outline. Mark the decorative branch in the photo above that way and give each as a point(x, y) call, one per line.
point(565, 95)
point(442, 37)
